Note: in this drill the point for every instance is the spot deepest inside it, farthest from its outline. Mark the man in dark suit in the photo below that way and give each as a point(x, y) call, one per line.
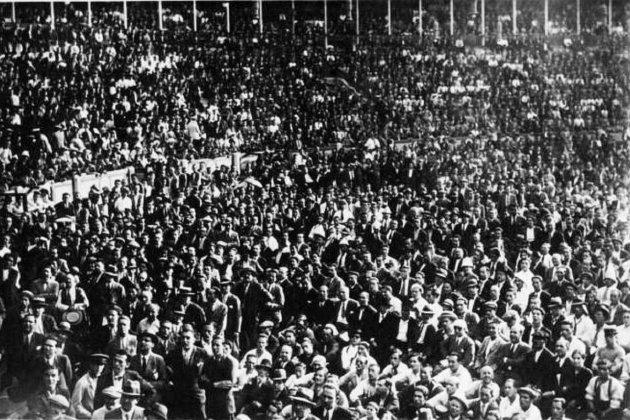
point(184, 365)
point(253, 297)
point(321, 310)
point(149, 365)
point(233, 303)
point(365, 317)
point(538, 366)
point(329, 410)
point(344, 306)
point(426, 340)
point(129, 409)
point(461, 344)
point(386, 323)
point(482, 406)
point(405, 329)
point(512, 355)
point(117, 376)
point(49, 358)
point(20, 346)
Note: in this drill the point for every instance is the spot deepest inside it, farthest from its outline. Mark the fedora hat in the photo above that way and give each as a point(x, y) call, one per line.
point(304, 396)
point(131, 389)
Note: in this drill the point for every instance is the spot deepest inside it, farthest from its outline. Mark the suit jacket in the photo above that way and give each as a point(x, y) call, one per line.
point(475, 408)
point(117, 414)
point(427, 341)
point(367, 322)
point(541, 373)
point(488, 352)
point(351, 307)
point(321, 312)
point(511, 362)
point(386, 329)
point(339, 413)
point(155, 371)
point(107, 379)
point(185, 376)
point(465, 349)
point(39, 364)
point(130, 345)
point(617, 317)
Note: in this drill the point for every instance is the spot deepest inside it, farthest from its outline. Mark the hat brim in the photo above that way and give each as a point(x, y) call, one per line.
point(303, 401)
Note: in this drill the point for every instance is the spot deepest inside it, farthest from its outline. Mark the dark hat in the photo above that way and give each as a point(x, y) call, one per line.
point(99, 358)
point(116, 308)
point(157, 410)
point(186, 291)
point(539, 309)
point(604, 308)
point(149, 335)
point(554, 302)
point(610, 330)
point(541, 335)
point(427, 310)
point(248, 270)
point(471, 283)
point(264, 364)
point(131, 389)
point(304, 396)
point(279, 375)
point(39, 302)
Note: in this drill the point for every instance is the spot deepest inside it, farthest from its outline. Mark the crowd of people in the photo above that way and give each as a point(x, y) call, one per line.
point(428, 231)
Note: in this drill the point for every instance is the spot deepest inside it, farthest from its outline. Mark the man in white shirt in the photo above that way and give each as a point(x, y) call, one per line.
point(510, 403)
point(604, 393)
point(82, 401)
point(528, 411)
point(455, 370)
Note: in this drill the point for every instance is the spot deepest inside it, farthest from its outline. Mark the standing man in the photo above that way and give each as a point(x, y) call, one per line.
point(84, 390)
point(218, 377)
point(184, 365)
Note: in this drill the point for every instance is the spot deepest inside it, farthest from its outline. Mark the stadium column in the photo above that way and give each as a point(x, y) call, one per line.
point(452, 13)
point(326, 23)
point(546, 17)
point(160, 16)
point(13, 12)
point(389, 17)
point(483, 22)
point(125, 17)
point(514, 13)
point(610, 20)
point(420, 19)
point(195, 15)
point(227, 16)
point(578, 17)
point(89, 13)
point(260, 16)
point(52, 14)
point(357, 23)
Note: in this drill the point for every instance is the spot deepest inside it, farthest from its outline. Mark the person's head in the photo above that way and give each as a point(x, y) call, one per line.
point(28, 323)
point(373, 371)
point(456, 406)
point(526, 398)
point(49, 348)
point(557, 408)
point(119, 362)
point(485, 394)
point(51, 377)
point(124, 325)
point(509, 388)
point(166, 327)
point(453, 362)
point(146, 343)
point(486, 374)
point(451, 384)
point(516, 332)
point(562, 346)
point(539, 340)
point(537, 316)
point(111, 396)
point(426, 374)
point(97, 365)
point(419, 396)
point(329, 397)
point(603, 368)
point(112, 317)
point(188, 338)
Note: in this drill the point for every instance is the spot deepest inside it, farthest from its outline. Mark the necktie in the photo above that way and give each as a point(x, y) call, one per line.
point(512, 349)
point(144, 363)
